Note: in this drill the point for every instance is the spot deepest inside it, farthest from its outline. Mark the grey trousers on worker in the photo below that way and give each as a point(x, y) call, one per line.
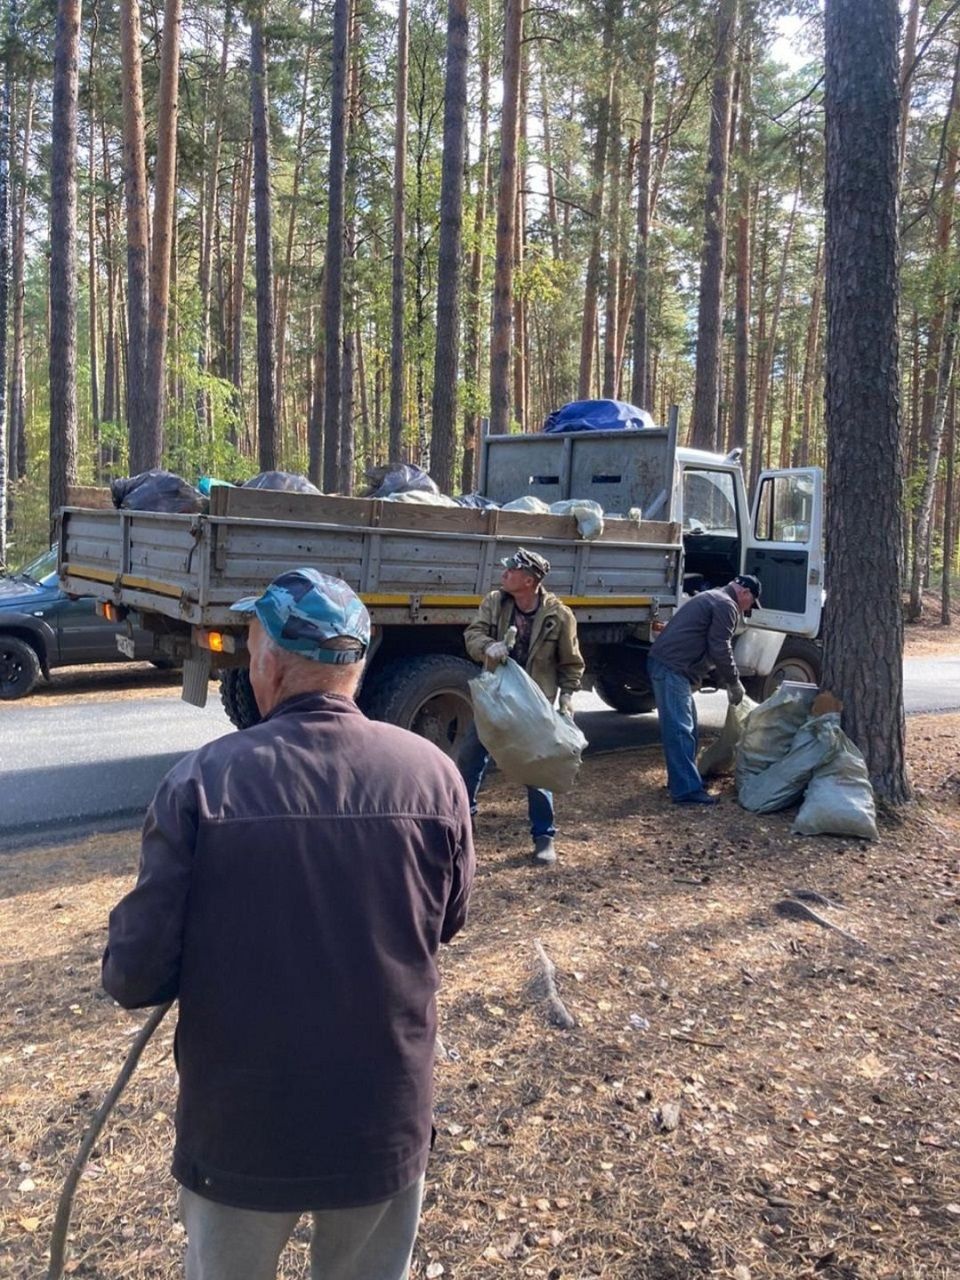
point(374, 1242)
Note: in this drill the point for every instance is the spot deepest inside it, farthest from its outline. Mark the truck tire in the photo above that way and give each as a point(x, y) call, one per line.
point(426, 694)
point(799, 659)
point(616, 693)
point(19, 667)
point(236, 694)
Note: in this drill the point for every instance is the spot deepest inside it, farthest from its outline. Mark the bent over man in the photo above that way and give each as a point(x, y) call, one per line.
point(296, 881)
point(698, 636)
point(546, 647)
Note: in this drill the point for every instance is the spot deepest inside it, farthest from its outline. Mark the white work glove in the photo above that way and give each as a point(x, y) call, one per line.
point(566, 705)
point(497, 652)
point(735, 693)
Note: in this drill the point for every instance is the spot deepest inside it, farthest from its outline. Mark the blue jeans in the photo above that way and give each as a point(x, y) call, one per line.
point(678, 728)
point(473, 761)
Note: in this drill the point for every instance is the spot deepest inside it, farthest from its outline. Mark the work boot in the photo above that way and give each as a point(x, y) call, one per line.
point(543, 849)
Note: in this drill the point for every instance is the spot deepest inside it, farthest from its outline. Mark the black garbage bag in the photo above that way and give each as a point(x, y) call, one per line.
point(156, 491)
point(283, 480)
point(398, 477)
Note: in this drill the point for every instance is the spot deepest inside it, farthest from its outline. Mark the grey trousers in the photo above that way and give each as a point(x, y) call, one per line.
point(374, 1242)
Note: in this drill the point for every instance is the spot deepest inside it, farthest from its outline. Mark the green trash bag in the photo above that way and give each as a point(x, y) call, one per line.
point(769, 732)
point(839, 799)
point(529, 740)
point(782, 784)
point(720, 756)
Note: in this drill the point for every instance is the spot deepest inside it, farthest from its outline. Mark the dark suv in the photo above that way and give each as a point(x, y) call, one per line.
point(41, 627)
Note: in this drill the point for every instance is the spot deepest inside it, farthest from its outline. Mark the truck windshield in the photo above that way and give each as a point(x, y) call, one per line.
point(709, 503)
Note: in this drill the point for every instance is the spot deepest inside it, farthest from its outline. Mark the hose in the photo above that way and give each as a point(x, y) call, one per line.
point(61, 1223)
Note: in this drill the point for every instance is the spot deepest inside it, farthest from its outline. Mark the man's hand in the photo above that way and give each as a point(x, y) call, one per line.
point(497, 652)
point(735, 693)
point(566, 705)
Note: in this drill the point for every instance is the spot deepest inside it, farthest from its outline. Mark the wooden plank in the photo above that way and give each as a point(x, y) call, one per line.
point(88, 495)
point(277, 504)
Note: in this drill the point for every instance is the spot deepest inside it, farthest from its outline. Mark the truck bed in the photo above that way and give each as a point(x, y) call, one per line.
point(410, 563)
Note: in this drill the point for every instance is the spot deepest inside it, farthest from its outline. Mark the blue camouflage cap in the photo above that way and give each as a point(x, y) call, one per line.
point(303, 610)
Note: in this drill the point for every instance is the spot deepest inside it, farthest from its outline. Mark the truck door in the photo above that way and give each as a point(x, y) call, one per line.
point(784, 549)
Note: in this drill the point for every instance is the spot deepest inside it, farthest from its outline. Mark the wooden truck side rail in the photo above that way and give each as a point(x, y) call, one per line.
point(410, 563)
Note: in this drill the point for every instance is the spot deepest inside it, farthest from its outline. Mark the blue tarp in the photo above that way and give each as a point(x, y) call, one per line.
point(597, 415)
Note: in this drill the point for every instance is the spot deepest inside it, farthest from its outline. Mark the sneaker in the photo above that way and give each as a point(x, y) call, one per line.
point(543, 849)
point(696, 797)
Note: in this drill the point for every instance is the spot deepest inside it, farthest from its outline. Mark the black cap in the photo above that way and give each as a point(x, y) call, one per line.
point(752, 584)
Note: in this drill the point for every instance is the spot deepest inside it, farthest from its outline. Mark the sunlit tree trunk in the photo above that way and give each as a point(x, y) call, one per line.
point(135, 198)
point(397, 310)
point(263, 232)
point(501, 335)
point(333, 306)
point(471, 422)
point(18, 412)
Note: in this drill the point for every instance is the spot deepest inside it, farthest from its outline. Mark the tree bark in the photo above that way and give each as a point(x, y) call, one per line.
point(863, 625)
point(612, 10)
point(767, 349)
point(92, 299)
point(395, 428)
point(949, 530)
point(641, 391)
point(612, 309)
point(165, 179)
point(706, 395)
point(135, 196)
point(811, 360)
point(63, 256)
point(263, 231)
point(6, 94)
point(906, 79)
point(17, 452)
point(447, 355)
point(333, 272)
point(740, 410)
point(501, 335)
point(471, 422)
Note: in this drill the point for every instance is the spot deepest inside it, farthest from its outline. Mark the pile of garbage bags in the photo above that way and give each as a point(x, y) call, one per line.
point(783, 752)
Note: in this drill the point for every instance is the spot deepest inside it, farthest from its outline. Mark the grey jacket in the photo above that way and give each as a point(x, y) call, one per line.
point(296, 881)
point(700, 636)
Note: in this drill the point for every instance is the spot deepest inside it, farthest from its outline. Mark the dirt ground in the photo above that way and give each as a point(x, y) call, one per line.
point(742, 1095)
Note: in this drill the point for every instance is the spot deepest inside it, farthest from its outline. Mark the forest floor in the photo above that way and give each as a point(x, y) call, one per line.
point(741, 1096)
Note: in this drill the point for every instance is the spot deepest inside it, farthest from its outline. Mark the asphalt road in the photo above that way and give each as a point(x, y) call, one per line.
point(94, 764)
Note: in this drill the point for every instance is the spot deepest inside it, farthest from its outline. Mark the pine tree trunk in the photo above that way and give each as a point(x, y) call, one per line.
point(811, 360)
point(333, 305)
point(63, 256)
point(6, 95)
point(163, 228)
point(949, 529)
point(471, 422)
point(135, 196)
point(740, 413)
point(907, 69)
point(447, 354)
point(263, 231)
point(547, 163)
point(349, 321)
point(18, 406)
point(592, 284)
point(399, 235)
point(863, 624)
point(520, 337)
point(641, 391)
point(612, 309)
point(706, 396)
point(501, 335)
point(241, 213)
point(92, 292)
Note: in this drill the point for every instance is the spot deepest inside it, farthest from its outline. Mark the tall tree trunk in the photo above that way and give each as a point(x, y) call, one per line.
point(349, 321)
point(447, 356)
point(863, 626)
point(471, 422)
point(135, 197)
point(333, 272)
point(520, 336)
point(63, 256)
point(211, 213)
point(6, 94)
point(921, 542)
point(163, 226)
point(263, 231)
point(949, 528)
point(284, 302)
point(552, 217)
point(500, 340)
point(612, 313)
point(18, 404)
point(241, 213)
point(92, 299)
point(811, 360)
point(641, 392)
point(399, 235)
point(706, 395)
point(737, 435)
point(612, 12)
point(907, 68)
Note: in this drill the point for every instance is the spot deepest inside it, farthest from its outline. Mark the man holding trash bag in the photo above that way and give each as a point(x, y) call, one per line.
point(698, 636)
point(547, 649)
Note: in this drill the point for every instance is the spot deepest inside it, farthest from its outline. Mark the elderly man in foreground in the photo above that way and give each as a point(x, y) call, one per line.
point(295, 884)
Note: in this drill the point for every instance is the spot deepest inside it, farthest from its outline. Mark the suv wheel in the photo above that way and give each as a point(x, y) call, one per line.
point(19, 667)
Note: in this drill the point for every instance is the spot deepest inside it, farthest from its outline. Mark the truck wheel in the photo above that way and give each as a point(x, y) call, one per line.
point(19, 667)
point(799, 659)
point(629, 701)
point(427, 694)
point(236, 694)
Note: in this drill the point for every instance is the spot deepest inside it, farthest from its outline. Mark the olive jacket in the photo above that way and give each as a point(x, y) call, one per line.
point(554, 661)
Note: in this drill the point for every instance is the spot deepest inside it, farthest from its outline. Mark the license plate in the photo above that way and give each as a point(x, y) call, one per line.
point(126, 646)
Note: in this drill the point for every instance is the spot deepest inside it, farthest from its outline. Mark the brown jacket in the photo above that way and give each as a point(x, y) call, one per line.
point(296, 881)
point(554, 661)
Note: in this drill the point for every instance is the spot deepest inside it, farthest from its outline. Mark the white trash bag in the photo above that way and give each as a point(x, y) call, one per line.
point(720, 756)
point(531, 742)
point(839, 799)
point(587, 513)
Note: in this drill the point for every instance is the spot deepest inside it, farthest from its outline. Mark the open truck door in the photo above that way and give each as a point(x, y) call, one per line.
point(784, 549)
